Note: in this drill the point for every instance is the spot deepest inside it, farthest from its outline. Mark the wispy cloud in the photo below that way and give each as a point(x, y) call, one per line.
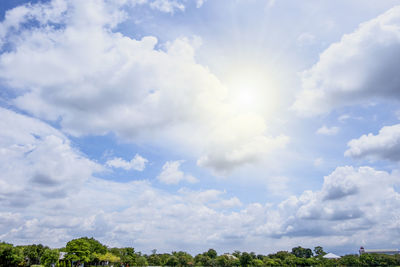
point(324, 130)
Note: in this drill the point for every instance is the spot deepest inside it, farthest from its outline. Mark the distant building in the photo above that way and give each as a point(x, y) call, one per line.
point(331, 256)
point(379, 251)
point(230, 256)
point(62, 255)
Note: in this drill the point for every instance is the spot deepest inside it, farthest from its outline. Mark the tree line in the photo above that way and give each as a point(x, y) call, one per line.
point(90, 252)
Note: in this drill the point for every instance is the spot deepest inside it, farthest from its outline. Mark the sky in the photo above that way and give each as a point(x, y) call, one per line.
point(248, 125)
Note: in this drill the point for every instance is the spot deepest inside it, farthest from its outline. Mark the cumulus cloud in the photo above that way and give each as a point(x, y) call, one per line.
point(171, 173)
point(353, 203)
point(238, 141)
point(38, 159)
point(75, 68)
point(385, 145)
point(360, 68)
point(49, 194)
point(324, 130)
point(137, 163)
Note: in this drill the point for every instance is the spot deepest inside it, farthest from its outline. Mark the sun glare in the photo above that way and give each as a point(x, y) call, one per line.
point(245, 98)
point(252, 90)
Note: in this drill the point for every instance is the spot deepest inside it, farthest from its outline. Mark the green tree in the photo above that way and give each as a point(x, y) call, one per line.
point(245, 259)
point(10, 256)
point(319, 251)
point(282, 255)
point(320, 261)
point(222, 261)
point(95, 246)
point(50, 256)
point(141, 261)
point(164, 258)
point(378, 260)
point(203, 260)
point(78, 250)
point(302, 252)
point(350, 260)
point(272, 262)
point(260, 256)
point(108, 257)
point(184, 259)
point(154, 260)
point(257, 262)
point(127, 255)
point(33, 253)
point(212, 253)
point(173, 261)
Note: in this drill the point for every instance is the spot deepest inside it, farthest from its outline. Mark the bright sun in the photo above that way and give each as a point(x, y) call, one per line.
point(252, 90)
point(245, 99)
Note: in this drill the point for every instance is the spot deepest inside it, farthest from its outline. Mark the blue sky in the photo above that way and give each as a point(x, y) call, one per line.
point(184, 125)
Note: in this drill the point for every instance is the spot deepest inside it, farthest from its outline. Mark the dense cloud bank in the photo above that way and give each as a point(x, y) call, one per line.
point(57, 196)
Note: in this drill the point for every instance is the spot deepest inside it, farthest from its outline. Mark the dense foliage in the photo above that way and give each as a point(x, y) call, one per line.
point(92, 253)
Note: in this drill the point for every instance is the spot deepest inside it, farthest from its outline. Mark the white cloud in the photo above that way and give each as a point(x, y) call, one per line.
point(95, 80)
point(324, 130)
point(349, 204)
point(137, 163)
point(384, 145)
point(239, 141)
point(360, 68)
point(43, 13)
point(358, 203)
point(171, 174)
point(167, 6)
point(352, 203)
point(38, 159)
